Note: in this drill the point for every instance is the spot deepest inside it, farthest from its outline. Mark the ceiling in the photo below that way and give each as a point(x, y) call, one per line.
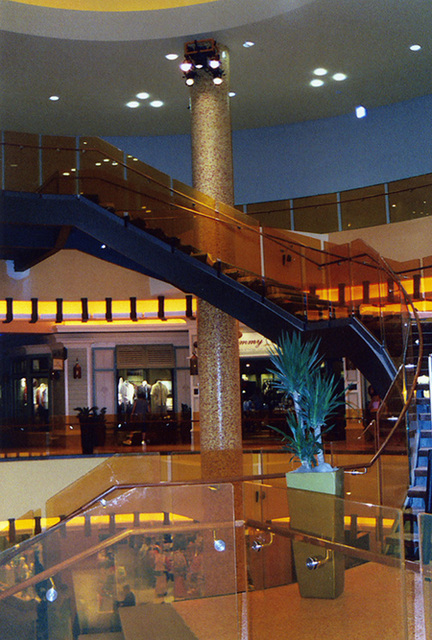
point(97, 61)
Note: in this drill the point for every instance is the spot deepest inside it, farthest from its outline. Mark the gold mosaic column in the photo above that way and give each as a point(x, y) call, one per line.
point(218, 352)
point(218, 333)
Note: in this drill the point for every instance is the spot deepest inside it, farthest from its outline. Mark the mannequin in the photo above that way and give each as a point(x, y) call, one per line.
point(126, 393)
point(41, 397)
point(159, 395)
point(146, 387)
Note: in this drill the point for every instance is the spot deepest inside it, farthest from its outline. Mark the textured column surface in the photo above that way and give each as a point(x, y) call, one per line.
point(218, 353)
point(218, 333)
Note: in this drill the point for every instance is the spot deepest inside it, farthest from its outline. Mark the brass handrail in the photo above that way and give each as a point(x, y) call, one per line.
point(361, 554)
point(411, 390)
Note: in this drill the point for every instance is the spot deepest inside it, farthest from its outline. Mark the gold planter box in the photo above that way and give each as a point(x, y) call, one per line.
point(316, 508)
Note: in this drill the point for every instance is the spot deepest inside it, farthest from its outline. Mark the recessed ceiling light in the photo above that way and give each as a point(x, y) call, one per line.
point(415, 47)
point(133, 104)
point(360, 112)
point(248, 43)
point(339, 77)
point(156, 103)
point(171, 56)
point(54, 98)
point(231, 94)
point(320, 71)
point(316, 83)
point(143, 95)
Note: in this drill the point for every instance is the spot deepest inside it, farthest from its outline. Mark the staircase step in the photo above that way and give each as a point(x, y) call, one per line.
point(420, 472)
point(417, 491)
point(423, 451)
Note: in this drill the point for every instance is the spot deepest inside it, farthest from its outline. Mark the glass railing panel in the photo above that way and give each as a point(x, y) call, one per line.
point(324, 555)
point(110, 570)
point(426, 283)
point(283, 267)
point(361, 484)
point(149, 196)
point(365, 207)
point(410, 198)
point(394, 466)
point(337, 266)
point(119, 469)
point(142, 174)
point(96, 153)
point(275, 214)
point(21, 161)
point(241, 238)
point(316, 280)
point(277, 462)
point(181, 466)
point(424, 589)
point(193, 220)
point(59, 161)
point(316, 214)
point(366, 292)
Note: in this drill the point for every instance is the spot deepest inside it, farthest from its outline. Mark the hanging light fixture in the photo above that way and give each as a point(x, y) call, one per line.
point(202, 55)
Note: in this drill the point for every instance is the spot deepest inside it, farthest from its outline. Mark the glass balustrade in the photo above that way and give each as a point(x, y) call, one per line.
point(161, 559)
point(424, 587)
point(302, 542)
point(177, 558)
point(117, 470)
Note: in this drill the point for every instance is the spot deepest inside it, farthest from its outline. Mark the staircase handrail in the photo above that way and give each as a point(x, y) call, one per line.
point(411, 390)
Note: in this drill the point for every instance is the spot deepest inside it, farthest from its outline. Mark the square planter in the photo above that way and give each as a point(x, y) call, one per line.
point(316, 508)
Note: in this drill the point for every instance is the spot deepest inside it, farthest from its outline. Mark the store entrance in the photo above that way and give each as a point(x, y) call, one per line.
point(145, 406)
point(262, 404)
point(31, 391)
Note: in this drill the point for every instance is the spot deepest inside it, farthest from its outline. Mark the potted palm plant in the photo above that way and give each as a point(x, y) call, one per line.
point(92, 426)
point(314, 396)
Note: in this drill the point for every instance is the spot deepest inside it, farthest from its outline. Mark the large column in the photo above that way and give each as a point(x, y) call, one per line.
point(218, 352)
point(218, 333)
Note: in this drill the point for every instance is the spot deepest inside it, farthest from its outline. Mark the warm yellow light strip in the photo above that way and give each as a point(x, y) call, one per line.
point(122, 323)
point(26, 525)
point(112, 5)
point(362, 521)
point(174, 308)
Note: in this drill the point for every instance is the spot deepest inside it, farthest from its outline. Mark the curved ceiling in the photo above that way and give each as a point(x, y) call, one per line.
point(112, 5)
point(97, 61)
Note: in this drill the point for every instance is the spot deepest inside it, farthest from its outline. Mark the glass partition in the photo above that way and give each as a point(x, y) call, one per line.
point(161, 559)
point(365, 207)
point(321, 566)
point(425, 545)
point(118, 469)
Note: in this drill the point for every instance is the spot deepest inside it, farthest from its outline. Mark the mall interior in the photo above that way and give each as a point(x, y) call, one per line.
point(163, 227)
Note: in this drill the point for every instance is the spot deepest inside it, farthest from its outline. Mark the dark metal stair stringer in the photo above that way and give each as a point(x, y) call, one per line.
point(98, 232)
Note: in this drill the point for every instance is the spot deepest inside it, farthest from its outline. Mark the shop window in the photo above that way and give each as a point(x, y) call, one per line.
point(155, 384)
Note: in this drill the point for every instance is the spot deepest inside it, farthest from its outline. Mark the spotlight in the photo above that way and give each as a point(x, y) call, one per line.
point(217, 76)
point(186, 66)
point(190, 78)
point(214, 63)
